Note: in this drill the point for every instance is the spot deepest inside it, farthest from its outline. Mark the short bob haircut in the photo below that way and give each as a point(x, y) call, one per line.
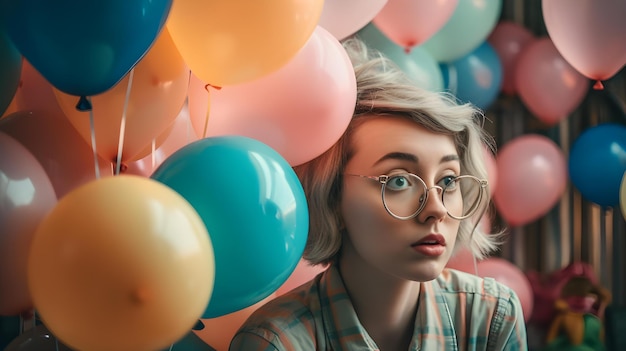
point(384, 90)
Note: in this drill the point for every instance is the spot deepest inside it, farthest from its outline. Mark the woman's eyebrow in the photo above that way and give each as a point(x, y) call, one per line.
point(403, 156)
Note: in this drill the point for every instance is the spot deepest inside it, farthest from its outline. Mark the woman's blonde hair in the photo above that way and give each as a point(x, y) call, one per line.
point(384, 90)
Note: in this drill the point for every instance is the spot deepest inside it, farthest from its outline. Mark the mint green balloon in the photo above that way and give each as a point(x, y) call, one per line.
point(418, 64)
point(470, 24)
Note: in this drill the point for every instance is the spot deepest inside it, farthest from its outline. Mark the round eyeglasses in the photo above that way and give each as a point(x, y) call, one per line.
point(405, 194)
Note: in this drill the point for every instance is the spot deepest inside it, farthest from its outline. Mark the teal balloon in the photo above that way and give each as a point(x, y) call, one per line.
point(254, 209)
point(82, 47)
point(597, 162)
point(470, 24)
point(475, 78)
point(10, 70)
point(418, 64)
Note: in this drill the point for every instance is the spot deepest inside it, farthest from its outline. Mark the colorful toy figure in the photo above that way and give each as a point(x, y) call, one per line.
point(578, 312)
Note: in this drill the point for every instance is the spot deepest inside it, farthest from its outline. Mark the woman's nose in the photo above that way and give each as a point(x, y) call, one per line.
point(434, 208)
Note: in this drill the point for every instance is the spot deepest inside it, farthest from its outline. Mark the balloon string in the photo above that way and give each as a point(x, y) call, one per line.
point(171, 347)
point(208, 108)
point(153, 158)
point(120, 145)
point(93, 141)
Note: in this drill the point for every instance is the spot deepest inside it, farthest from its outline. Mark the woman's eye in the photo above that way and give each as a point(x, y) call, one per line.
point(448, 183)
point(398, 182)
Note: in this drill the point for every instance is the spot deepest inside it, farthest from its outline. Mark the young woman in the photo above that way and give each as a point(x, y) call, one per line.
point(389, 204)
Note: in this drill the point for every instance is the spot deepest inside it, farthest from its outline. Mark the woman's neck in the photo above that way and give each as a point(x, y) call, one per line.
point(385, 305)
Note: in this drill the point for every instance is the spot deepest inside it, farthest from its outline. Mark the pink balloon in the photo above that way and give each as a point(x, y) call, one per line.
point(532, 177)
point(410, 23)
point(589, 34)
point(463, 261)
point(343, 18)
point(547, 84)
point(303, 272)
point(510, 275)
point(26, 197)
point(508, 39)
point(300, 110)
point(180, 134)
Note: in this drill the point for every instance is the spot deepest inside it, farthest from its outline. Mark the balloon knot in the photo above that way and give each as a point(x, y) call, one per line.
point(83, 104)
point(140, 296)
point(199, 325)
point(206, 87)
point(598, 85)
point(407, 49)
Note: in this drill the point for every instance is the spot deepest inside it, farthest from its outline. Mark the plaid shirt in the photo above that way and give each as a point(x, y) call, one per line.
point(457, 311)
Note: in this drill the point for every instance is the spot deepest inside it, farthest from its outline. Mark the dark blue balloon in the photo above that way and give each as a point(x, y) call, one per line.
point(475, 78)
point(84, 47)
point(254, 209)
point(597, 163)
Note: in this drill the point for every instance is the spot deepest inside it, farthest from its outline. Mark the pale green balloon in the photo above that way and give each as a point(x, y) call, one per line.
point(418, 64)
point(470, 24)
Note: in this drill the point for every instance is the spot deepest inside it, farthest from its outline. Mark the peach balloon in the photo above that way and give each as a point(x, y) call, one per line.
point(300, 110)
point(303, 272)
point(157, 93)
point(549, 86)
point(589, 34)
point(532, 173)
point(236, 41)
point(35, 93)
point(67, 159)
point(26, 197)
point(178, 135)
point(509, 39)
point(219, 331)
point(345, 17)
point(121, 263)
point(410, 23)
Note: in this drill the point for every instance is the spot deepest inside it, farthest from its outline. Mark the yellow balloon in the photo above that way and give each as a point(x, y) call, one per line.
point(157, 94)
point(227, 42)
point(121, 263)
point(622, 195)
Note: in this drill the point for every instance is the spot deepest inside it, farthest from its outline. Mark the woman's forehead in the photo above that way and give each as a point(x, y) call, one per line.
point(381, 135)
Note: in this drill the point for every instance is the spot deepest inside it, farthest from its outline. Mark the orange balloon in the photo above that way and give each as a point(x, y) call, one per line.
point(219, 331)
point(234, 41)
point(121, 263)
point(157, 93)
